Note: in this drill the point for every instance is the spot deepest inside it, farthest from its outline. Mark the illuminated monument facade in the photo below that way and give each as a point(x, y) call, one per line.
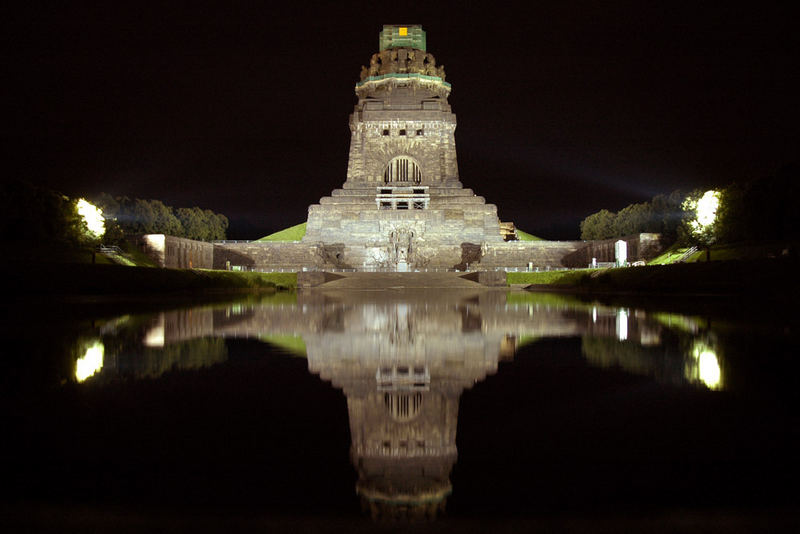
point(402, 205)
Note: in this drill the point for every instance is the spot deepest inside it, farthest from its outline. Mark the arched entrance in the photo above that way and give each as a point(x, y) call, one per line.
point(402, 169)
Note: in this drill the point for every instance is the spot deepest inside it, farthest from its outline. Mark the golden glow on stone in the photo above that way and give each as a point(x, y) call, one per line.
point(91, 362)
point(403, 30)
point(93, 217)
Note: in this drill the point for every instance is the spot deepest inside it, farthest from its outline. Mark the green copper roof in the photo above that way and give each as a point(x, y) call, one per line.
point(395, 35)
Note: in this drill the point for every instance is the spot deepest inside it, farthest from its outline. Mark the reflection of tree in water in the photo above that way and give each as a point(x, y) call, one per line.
point(148, 362)
point(676, 360)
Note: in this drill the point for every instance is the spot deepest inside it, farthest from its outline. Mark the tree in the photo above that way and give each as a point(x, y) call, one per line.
point(633, 219)
point(598, 225)
point(667, 215)
point(700, 219)
point(193, 222)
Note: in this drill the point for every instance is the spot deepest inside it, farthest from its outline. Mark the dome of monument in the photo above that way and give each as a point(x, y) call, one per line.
point(402, 54)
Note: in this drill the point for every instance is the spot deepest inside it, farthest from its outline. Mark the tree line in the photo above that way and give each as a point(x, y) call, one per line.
point(126, 216)
point(761, 209)
point(40, 216)
point(660, 215)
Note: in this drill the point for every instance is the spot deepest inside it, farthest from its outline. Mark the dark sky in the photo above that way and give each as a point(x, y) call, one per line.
point(563, 108)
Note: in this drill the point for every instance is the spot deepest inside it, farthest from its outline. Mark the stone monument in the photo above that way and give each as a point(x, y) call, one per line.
point(402, 206)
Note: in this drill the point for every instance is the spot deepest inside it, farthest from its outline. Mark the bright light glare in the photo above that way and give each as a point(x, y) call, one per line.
point(90, 363)
point(705, 209)
point(708, 370)
point(93, 217)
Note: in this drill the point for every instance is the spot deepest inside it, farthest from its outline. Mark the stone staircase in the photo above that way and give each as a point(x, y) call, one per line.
point(375, 281)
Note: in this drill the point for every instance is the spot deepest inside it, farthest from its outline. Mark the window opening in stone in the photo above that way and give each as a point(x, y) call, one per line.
point(402, 169)
point(386, 191)
point(402, 205)
point(419, 191)
point(386, 205)
point(420, 132)
point(402, 132)
point(419, 205)
point(403, 407)
point(386, 132)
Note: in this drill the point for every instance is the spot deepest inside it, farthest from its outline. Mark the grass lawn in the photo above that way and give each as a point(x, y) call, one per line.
point(525, 236)
point(88, 279)
point(293, 233)
point(291, 344)
point(549, 277)
point(669, 256)
point(734, 251)
point(245, 280)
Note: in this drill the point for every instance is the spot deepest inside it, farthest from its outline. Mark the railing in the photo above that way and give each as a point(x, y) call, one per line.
point(226, 241)
point(390, 270)
point(686, 255)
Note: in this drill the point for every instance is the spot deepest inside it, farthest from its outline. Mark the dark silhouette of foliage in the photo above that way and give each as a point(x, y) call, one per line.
point(761, 210)
point(41, 216)
point(138, 216)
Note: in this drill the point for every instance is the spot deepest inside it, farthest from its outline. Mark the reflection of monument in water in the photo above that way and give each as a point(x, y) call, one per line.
point(402, 367)
point(403, 360)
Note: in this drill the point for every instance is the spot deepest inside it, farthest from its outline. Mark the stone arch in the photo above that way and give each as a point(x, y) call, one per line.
point(402, 169)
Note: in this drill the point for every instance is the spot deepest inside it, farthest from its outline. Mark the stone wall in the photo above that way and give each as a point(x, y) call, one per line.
point(293, 256)
point(641, 247)
point(176, 252)
point(521, 254)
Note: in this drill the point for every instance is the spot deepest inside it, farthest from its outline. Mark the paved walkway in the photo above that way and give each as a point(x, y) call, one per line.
point(371, 281)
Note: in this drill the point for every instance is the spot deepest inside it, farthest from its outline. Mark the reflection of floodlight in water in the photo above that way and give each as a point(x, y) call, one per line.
point(90, 363)
point(707, 366)
point(622, 324)
point(155, 336)
point(93, 217)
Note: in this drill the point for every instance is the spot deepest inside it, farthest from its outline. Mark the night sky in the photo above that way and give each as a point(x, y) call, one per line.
point(563, 108)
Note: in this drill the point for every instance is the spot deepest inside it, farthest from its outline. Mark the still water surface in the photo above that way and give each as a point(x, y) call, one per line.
point(405, 405)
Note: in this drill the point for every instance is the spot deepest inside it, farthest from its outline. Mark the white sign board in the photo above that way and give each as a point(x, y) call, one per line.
point(621, 253)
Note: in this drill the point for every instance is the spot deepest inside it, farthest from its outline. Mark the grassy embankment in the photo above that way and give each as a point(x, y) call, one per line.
point(751, 277)
point(525, 236)
point(69, 271)
point(736, 251)
point(293, 233)
point(88, 279)
point(734, 269)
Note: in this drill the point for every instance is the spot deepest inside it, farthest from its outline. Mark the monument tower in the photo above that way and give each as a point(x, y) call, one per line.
point(402, 205)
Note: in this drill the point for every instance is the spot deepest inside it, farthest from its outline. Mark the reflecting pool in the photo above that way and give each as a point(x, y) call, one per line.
point(405, 406)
